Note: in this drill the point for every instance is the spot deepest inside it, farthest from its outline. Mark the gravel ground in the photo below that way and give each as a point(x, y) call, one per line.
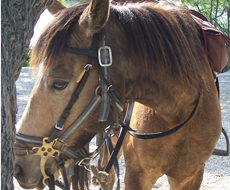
point(217, 169)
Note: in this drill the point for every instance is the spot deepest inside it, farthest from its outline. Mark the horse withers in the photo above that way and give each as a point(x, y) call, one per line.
point(158, 60)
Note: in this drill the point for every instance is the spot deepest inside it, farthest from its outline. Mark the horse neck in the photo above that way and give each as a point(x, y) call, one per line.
point(167, 96)
point(171, 97)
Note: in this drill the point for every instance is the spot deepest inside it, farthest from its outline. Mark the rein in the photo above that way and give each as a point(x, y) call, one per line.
point(55, 145)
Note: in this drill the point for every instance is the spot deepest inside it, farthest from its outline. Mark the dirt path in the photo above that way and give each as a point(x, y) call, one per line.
point(217, 169)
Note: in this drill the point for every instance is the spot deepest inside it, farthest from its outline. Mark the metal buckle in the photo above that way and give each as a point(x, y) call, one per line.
point(82, 164)
point(108, 56)
point(59, 127)
point(58, 145)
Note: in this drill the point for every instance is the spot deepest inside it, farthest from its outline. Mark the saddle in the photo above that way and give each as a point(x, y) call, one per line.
point(214, 42)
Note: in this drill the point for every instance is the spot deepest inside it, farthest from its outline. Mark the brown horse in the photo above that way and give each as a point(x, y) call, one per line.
point(158, 60)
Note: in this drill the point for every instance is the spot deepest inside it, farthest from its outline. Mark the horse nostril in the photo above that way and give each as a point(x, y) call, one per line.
point(17, 170)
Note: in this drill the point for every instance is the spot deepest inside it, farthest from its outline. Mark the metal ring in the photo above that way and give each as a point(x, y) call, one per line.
point(97, 90)
point(81, 162)
point(87, 168)
point(88, 66)
point(110, 86)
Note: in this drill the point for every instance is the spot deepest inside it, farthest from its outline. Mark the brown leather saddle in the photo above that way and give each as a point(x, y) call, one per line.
point(214, 42)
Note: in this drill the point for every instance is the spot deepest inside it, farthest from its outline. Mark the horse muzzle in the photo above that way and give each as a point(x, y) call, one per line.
point(23, 179)
point(28, 173)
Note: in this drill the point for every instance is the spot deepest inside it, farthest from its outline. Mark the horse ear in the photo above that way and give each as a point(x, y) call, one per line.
point(95, 16)
point(55, 6)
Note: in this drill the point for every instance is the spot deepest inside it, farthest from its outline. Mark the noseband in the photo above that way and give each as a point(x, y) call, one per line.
point(55, 145)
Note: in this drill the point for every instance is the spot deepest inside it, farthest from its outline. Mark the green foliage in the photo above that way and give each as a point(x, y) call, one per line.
point(216, 11)
point(63, 2)
point(27, 58)
point(79, 1)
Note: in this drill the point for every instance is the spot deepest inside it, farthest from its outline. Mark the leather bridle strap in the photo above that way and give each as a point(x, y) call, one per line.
point(23, 151)
point(124, 129)
point(61, 165)
point(37, 141)
point(66, 112)
point(83, 117)
point(51, 182)
point(20, 138)
point(90, 53)
point(110, 89)
point(86, 52)
point(107, 61)
point(115, 162)
point(149, 136)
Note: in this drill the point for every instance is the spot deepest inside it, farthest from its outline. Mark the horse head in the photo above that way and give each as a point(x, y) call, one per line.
point(63, 89)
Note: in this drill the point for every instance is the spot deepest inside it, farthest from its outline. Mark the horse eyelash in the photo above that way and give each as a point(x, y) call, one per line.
point(62, 84)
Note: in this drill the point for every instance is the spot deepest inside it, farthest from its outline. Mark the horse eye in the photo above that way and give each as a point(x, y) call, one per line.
point(60, 85)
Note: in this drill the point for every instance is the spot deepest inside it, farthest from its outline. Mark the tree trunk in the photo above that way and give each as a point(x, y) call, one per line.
point(217, 6)
point(210, 15)
point(228, 16)
point(18, 19)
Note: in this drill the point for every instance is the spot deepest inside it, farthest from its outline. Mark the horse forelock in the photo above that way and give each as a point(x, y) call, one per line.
point(55, 36)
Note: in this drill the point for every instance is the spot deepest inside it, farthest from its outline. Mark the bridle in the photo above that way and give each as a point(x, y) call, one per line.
point(55, 145)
